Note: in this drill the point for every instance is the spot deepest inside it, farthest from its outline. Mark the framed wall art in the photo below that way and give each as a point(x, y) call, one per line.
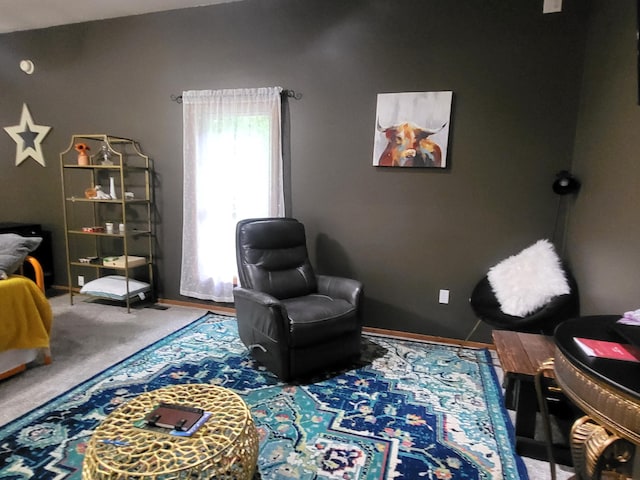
point(412, 129)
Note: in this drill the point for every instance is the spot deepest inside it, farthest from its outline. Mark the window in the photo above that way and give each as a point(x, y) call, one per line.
point(232, 171)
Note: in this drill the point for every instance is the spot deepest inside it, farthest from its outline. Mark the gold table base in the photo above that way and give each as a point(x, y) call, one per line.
point(604, 441)
point(225, 447)
point(596, 452)
point(611, 407)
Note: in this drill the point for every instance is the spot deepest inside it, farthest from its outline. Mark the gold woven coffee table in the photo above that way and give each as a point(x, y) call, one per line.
point(225, 447)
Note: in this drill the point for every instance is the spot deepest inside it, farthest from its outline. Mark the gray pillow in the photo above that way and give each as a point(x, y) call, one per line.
point(13, 250)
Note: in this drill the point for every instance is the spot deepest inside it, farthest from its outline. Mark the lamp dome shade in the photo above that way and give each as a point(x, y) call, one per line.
point(565, 183)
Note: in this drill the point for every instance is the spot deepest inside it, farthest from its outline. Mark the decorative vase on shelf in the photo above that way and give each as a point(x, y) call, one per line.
point(83, 157)
point(105, 155)
point(112, 188)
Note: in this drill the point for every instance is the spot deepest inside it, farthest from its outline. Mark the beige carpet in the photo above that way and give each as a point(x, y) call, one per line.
point(86, 338)
point(89, 336)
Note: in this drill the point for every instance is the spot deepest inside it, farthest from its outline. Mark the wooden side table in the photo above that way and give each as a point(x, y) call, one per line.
point(520, 355)
point(225, 446)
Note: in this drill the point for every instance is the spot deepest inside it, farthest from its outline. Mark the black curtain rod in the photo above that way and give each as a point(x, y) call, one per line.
point(287, 93)
point(292, 94)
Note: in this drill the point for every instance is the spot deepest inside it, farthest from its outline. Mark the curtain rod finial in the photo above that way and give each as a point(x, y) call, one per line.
point(292, 94)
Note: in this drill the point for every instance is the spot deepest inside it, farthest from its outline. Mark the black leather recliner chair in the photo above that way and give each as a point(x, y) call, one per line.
point(294, 322)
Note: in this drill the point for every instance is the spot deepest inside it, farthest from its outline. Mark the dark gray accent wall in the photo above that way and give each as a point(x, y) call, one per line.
point(515, 74)
point(603, 227)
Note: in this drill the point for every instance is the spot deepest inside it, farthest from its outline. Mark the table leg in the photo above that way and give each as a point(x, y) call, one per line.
point(525, 403)
point(526, 406)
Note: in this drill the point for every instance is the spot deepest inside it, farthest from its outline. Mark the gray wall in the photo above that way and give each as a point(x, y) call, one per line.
point(515, 74)
point(603, 227)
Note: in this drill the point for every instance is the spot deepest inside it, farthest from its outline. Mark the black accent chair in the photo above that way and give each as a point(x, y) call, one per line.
point(544, 320)
point(294, 322)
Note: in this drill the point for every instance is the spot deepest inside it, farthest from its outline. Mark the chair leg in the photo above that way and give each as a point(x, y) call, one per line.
point(472, 330)
point(544, 410)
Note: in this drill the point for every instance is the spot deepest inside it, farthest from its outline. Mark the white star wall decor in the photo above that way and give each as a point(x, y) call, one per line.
point(28, 137)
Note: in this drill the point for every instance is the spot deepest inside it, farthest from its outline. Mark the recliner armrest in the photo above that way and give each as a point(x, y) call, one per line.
point(255, 296)
point(263, 312)
point(340, 287)
point(263, 327)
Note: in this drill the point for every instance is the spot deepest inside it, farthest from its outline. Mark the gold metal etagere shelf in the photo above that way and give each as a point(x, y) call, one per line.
point(128, 170)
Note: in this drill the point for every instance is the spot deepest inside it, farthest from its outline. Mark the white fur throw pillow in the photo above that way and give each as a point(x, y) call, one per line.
point(527, 281)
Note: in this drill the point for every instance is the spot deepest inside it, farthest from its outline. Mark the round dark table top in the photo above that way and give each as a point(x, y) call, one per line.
point(620, 374)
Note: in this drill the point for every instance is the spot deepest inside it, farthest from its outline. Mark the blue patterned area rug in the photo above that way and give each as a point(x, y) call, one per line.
point(408, 410)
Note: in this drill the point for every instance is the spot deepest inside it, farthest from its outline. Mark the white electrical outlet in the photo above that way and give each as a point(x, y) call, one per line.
point(80, 281)
point(552, 6)
point(444, 296)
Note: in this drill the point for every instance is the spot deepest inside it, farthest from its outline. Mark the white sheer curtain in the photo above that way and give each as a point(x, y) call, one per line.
point(232, 171)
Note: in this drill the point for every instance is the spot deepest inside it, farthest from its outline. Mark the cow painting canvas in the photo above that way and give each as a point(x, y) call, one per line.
point(412, 129)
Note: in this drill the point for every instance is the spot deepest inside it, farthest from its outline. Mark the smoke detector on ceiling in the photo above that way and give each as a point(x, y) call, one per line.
point(27, 66)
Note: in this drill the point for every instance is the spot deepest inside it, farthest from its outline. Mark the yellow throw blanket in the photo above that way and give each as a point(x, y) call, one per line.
point(25, 315)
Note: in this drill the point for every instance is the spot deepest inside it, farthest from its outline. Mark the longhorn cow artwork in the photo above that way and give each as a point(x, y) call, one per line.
point(412, 129)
